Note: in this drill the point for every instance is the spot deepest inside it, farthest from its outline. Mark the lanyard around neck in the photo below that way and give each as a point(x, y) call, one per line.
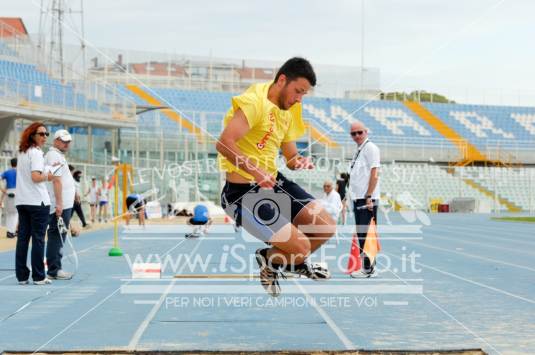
point(357, 156)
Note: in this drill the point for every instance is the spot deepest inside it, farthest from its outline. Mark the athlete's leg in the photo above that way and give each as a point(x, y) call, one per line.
point(316, 223)
point(141, 215)
point(289, 246)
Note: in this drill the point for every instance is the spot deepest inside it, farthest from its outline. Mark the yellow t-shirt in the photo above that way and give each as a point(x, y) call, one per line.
point(269, 128)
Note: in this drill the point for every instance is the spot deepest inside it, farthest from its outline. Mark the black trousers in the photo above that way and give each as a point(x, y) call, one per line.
point(33, 221)
point(363, 217)
point(77, 207)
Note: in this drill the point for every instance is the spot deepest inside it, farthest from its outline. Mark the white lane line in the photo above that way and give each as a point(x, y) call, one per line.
point(431, 236)
point(396, 303)
point(334, 327)
point(86, 313)
point(198, 278)
point(475, 256)
point(80, 252)
point(7, 277)
point(134, 341)
point(489, 224)
point(449, 315)
point(470, 281)
point(146, 302)
point(477, 233)
point(166, 238)
point(176, 246)
point(77, 320)
point(144, 325)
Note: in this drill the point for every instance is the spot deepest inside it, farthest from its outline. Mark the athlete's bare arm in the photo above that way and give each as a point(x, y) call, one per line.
point(226, 145)
point(295, 161)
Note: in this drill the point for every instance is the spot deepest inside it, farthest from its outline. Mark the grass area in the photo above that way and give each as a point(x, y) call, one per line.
point(529, 219)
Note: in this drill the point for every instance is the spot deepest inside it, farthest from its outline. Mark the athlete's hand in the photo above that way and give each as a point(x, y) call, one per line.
point(303, 163)
point(263, 179)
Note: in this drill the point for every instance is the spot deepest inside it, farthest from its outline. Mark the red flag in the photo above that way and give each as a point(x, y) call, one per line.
point(354, 263)
point(371, 245)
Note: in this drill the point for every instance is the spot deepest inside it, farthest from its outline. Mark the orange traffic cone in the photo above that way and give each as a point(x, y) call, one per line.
point(354, 263)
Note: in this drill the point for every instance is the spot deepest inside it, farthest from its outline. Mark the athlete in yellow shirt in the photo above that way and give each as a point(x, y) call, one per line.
point(262, 121)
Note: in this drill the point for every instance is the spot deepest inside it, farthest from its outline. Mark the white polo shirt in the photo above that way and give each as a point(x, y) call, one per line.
point(28, 192)
point(364, 160)
point(52, 157)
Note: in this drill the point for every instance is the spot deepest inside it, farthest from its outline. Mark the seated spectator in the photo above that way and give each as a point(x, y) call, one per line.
point(331, 200)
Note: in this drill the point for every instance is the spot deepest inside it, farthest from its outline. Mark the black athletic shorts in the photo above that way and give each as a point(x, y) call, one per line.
point(263, 212)
point(194, 222)
point(134, 204)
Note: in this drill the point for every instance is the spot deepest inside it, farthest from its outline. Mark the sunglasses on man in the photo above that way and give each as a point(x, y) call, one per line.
point(354, 133)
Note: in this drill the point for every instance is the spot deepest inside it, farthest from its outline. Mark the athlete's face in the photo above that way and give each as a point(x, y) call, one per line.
point(293, 92)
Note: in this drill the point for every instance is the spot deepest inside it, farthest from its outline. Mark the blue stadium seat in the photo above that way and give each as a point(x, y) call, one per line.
point(330, 116)
point(486, 125)
point(22, 79)
point(481, 125)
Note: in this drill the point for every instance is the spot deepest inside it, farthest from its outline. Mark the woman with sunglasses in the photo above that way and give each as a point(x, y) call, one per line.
point(33, 204)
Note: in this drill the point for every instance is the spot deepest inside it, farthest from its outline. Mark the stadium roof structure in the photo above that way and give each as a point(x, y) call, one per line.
point(256, 73)
point(158, 68)
point(15, 27)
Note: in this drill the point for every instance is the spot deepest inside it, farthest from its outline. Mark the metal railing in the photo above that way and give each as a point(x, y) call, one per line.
point(19, 48)
point(62, 99)
point(200, 178)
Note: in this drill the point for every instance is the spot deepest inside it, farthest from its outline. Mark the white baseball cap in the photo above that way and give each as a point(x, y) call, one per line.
point(63, 135)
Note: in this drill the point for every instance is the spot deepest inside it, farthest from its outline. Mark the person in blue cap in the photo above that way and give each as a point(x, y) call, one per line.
point(201, 221)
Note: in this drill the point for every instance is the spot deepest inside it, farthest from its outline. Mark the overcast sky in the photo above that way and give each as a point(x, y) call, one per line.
point(471, 47)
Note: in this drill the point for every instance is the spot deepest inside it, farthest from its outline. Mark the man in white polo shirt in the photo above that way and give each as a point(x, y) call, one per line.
point(61, 193)
point(364, 185)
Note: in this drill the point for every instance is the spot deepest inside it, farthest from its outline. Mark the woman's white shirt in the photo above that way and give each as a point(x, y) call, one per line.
point(29, 192)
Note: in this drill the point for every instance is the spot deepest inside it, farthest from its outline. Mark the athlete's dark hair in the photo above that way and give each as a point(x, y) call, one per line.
point(295, 68)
